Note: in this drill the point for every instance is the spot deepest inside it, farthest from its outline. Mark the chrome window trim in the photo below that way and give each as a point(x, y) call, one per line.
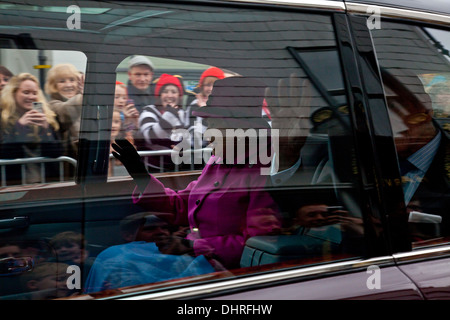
point(399, 13)
point(422, 253)
point(316, 4)
point(248, 282)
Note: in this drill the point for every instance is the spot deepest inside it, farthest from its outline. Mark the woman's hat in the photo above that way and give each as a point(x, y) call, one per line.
point(237, 102)
point(166, 79)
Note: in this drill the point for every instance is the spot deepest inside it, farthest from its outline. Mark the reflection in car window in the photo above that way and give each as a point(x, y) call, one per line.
point(280, 188)
point(416, 80)
point(142, 99)
point(305, 205)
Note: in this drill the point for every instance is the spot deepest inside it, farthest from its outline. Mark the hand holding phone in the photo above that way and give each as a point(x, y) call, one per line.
point(130, 111)
point(34, 118)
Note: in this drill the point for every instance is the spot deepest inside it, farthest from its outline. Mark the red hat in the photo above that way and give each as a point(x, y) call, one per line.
point(211, 72)
point(166, 79)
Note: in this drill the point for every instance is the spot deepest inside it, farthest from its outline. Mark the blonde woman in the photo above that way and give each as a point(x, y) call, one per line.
point(64, 87)
point(26, 130)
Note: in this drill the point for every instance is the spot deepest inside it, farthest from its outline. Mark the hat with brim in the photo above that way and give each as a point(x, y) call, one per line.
point(139, 61)
point(235, 102)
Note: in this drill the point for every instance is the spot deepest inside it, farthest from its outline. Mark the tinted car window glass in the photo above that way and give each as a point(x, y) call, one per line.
point(295, 203)
point(306, 203)
point(415, 69)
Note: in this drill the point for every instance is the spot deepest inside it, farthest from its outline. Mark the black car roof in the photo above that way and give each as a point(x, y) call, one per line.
point(436, 6)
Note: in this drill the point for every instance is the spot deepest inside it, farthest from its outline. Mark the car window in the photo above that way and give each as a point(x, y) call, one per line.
point(37, 148)
point(296, 200)
point(415, 69)
point(260, 93)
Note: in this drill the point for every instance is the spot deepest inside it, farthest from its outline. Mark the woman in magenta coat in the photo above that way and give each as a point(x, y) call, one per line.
point(227, 204)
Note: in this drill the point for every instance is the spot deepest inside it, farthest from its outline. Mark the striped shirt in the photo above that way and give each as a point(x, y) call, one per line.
point(422, 160)
point(157, 127)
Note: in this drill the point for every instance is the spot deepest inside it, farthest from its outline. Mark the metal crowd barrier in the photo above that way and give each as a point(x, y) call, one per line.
point(40, 160)
point(162, 153)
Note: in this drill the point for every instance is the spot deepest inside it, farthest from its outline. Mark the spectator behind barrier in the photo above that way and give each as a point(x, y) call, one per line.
point(128, 113)
point(118, 132)
point(64, 86)
point(159, 123)
point(140, 75)
point(27, 131)
point(196, 125)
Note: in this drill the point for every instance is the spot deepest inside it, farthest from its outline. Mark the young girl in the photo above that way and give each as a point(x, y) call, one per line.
point(117, 132)
point(158, 123)
point(129, 114)
point(196, 125)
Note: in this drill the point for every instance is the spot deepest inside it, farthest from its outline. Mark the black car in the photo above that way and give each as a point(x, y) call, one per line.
point(352, 199)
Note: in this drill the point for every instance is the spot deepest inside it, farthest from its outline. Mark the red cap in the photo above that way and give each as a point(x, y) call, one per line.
point(166, 79)
point(211, 72)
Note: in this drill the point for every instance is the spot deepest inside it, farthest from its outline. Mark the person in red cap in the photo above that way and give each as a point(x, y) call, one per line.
point(204, 88)
point(158, 123)
point(206, 83)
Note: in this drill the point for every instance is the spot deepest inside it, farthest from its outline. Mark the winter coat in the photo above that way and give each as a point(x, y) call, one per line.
point(224, 207)
point(19, 142)
point(68, 112)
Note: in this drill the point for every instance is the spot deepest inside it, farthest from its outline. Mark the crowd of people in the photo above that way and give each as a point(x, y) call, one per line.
point(43, 120)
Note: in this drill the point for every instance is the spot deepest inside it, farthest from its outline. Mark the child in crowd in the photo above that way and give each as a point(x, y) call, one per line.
point(196, 125)
point(117, 132)
point(129, 114)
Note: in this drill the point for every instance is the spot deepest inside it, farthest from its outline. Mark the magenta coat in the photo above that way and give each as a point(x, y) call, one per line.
point(224, 207)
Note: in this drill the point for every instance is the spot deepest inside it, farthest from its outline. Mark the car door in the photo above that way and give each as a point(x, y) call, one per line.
point(285, 266)
point(425, 65)
point(344, 156)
